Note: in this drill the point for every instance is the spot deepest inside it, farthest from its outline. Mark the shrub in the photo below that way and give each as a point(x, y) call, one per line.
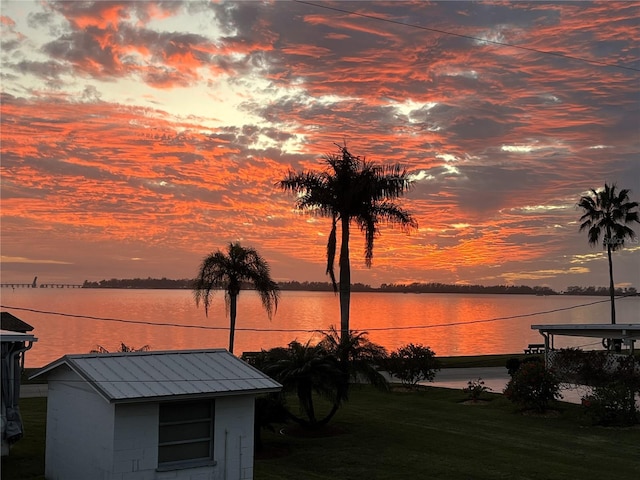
point(513, 364)
point(613, 402)
point(475, 388)
point(572, 365)
point(533, 386)
point(413, 363)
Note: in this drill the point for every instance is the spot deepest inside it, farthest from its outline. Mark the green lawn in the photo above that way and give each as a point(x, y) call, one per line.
point(431, 435)
point(479, 360)
point(428, 434)
point(26, 459)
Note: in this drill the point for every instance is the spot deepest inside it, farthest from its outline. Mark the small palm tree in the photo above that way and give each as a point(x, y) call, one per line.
point(123, 349)
point(308, 370)
point(351, 189)
point(230, 271)
point(359, 358)
point(607, 214)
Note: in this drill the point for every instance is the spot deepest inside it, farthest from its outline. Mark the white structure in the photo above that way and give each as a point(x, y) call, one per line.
point(13, 344)
point(152, 415)
point(627, 333)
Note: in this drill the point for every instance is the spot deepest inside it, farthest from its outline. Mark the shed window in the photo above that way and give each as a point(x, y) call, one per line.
point(185, 432)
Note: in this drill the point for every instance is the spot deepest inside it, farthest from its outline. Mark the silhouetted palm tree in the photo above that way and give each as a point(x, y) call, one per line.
point(359, 358)
point(124, 348)
point(607, 214)
point(230, 271)
point(308, 370)
point(350, 189)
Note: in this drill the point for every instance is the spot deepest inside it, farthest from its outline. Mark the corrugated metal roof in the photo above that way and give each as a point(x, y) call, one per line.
point(138, 376)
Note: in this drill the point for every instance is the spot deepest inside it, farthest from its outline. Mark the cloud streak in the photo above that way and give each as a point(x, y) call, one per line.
point(157, 131)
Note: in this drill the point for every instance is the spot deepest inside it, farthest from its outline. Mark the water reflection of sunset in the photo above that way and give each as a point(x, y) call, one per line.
point(451, 324)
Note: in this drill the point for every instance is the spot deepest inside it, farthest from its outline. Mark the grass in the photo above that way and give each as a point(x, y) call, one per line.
point(479, 360)
point(26, 459)
point(431, 434)
point(427, 434)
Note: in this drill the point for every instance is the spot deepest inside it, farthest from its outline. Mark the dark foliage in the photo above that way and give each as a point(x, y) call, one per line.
point(413, 363)
point(270, 410)
point(513, 364)
point(533, 386)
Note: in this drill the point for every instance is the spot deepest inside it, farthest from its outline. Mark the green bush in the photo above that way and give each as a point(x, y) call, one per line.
point(413, 363)
point(475, 388)
point(611, 405)
point(613, 402)
point(533, 386)
point(573, 365)
point(513, 364)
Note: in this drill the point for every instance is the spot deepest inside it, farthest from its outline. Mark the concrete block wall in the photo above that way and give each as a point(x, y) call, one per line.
point(234, 436)
point(135, 447)
point(79, 436)
point(136, 443)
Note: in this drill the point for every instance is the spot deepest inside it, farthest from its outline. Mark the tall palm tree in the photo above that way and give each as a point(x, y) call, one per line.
point(231, 271)
point(607, 214)
point(350, 189)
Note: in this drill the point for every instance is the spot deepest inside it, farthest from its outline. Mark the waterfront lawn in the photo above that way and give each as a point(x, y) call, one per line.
point(427, 434)
point(474, 361)
point(432, 434)
point(26, 459)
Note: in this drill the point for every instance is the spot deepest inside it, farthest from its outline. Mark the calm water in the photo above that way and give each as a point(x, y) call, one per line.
point(451, 324)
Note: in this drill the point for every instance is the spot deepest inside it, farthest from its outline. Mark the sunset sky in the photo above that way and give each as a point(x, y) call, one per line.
point(137, 137)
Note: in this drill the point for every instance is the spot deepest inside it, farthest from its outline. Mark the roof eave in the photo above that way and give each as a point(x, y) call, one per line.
point(194, 396)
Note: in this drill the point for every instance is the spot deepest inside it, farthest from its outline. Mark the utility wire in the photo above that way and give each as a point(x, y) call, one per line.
point(470, 37)
point(296, 330)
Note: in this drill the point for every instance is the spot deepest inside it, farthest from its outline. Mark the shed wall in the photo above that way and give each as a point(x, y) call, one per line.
point(79, 443)
point(135, 451)
point(234, 436)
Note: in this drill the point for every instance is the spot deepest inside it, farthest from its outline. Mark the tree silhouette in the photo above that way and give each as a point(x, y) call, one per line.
point(350, 189)
point(607, 214)
point(231, 271)
point(124, 348)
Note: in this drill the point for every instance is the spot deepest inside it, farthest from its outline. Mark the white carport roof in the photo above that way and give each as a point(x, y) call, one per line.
point(624, 331)
point(162, 375)
point(10, 336)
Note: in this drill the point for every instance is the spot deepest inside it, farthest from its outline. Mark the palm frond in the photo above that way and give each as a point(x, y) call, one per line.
point(607, 215)
point(230, 271)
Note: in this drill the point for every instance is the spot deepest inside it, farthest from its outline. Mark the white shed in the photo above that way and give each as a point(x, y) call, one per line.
point(152, 415)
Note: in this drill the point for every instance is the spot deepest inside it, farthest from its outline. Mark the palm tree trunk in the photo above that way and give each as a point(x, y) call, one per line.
point(345, 280)
point(305, 395)
point(611, 286)
point(233, 302)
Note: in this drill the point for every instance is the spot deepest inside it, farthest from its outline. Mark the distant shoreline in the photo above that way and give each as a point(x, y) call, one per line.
point(415, 288)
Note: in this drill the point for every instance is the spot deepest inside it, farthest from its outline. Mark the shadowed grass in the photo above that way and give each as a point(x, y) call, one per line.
point(430, 434)
point(479, 360)
point(26, 458)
